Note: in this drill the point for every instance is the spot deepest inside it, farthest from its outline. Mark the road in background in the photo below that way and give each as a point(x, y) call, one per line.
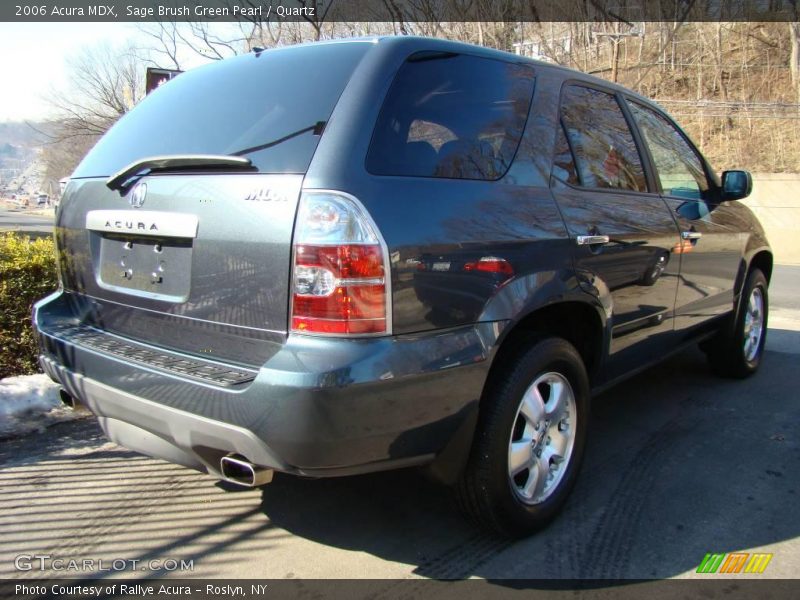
point(784, 289)
point(14, 218)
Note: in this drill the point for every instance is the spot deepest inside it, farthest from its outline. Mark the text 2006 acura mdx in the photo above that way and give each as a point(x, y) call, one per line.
point(355, 256)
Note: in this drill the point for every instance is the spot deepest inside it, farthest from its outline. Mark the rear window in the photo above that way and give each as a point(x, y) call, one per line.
point(452, 116)
point(270, 101)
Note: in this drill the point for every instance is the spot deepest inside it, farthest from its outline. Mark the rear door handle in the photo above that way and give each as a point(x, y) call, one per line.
point(691, 235)
point(591, 240)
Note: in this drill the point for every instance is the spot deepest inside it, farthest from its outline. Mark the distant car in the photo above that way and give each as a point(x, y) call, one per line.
point(42, 200)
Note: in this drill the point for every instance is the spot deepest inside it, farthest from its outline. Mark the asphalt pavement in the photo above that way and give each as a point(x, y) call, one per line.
point(14, 218)
point(679, 463)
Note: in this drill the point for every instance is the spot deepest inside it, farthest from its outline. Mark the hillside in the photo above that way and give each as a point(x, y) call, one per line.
point(21, 134)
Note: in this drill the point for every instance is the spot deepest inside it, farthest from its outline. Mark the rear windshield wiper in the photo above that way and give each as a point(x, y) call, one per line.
point(175, 162)
point(133, 172)
point(317, 129)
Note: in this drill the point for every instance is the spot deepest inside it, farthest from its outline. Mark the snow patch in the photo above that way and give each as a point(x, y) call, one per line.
point(30, 403)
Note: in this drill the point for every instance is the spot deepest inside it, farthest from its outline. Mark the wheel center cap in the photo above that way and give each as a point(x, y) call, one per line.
point(537, 441)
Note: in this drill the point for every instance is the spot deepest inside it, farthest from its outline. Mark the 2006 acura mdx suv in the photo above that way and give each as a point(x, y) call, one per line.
point(362, 255)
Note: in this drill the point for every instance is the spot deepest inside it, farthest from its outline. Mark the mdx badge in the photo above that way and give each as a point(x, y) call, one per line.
point(266, 195)
point(138, 195)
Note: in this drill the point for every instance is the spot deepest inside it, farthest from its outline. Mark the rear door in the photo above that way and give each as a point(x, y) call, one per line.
point(198, 259)
point(196, 263)
point(712, 236)
point(623, 234)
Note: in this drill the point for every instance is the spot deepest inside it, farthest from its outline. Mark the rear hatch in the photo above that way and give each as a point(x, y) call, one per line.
point(197, 258)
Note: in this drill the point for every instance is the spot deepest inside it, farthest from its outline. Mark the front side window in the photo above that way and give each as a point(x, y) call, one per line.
point(680, 170)
point(605, 152)
point(451, 116)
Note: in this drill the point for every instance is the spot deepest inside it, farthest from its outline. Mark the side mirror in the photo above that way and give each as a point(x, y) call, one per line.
point(736, 185)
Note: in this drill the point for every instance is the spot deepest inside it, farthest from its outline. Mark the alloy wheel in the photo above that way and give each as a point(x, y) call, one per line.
point(542, 438)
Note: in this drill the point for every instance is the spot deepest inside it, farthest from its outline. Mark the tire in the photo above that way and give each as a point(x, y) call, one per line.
point(737, 350)
point(520, 505)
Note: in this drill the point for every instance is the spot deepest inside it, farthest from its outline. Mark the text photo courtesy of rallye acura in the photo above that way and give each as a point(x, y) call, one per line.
point(361, 255)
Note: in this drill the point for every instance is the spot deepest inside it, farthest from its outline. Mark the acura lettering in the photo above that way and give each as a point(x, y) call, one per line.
point(131, 225)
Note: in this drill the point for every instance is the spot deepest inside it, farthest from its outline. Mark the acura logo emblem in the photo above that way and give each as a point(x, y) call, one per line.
point(138, 194)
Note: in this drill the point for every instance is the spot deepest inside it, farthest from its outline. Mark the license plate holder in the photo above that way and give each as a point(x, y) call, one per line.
point(145, 266)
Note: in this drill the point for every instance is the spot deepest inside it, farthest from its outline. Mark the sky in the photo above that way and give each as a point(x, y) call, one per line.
point(34, 60)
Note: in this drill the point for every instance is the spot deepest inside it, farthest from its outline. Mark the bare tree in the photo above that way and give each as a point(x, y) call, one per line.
point(171, 43)
point(165, 43)
point(104, 83)
point(61, 155)
point(794, 58)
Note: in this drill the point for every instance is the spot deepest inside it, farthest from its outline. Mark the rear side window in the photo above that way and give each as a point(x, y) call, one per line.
point(268, 102)
point(603, 146)
point(452, 116)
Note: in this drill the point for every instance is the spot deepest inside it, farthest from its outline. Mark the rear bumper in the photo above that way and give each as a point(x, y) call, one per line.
point(317, 407)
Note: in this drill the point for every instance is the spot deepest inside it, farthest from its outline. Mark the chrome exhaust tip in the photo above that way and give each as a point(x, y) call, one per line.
point(240, 471)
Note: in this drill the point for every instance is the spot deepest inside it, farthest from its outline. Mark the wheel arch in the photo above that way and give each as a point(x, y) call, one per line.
point(758, 259)
point(762, 260)
point(580, 323)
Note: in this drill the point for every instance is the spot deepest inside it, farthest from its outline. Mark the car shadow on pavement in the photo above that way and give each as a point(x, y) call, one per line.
point(679, 463)
point(69, 494)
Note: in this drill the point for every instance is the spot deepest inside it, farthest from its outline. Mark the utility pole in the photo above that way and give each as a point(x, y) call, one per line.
point(616, 37)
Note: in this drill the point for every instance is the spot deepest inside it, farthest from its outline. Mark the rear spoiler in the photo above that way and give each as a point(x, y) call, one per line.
point(123, 179)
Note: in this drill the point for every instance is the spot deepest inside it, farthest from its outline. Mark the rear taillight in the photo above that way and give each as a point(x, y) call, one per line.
point(339, 275)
